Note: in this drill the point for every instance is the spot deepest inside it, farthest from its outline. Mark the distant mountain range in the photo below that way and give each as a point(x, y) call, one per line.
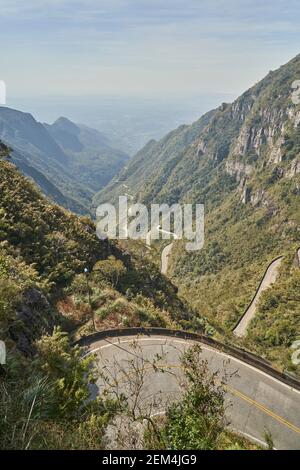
point(70, 162)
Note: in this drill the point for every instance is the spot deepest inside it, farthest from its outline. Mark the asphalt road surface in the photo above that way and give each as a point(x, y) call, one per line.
point(165, 258)
point(166, 250)
point(257, 402)
point(268, 279)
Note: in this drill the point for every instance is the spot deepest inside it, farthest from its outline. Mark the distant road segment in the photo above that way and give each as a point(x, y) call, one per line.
point(268, 279)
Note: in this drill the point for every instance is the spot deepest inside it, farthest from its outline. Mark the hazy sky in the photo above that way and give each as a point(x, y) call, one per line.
point(67, 47)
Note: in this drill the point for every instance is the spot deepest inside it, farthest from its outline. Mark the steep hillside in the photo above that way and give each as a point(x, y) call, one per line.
point(248, 178)
point(69, 162)
point(58, 281)
point(243, 162)
point(73, 198)
point(46, 248)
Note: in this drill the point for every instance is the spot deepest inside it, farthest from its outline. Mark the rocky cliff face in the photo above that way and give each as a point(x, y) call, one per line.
point(255, 135)
point(269, 130)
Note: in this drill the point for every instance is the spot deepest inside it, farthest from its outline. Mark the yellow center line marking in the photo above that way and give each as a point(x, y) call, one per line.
point(239, 394)
point(261, 407)
point(204, 348)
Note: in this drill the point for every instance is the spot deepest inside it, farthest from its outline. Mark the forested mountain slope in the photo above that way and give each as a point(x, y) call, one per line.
point(243, 162)
point(48, 299)
point(56, 245)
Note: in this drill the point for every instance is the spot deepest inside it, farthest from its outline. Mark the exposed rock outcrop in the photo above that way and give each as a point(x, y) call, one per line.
point(238, 169)
point(294, 169)
point(201, 147)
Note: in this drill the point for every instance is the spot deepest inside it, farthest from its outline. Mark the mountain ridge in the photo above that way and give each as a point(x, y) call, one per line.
point(209, 141)
point(70, 162)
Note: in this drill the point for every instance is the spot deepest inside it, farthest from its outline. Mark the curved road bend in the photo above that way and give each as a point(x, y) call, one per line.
point(165, 258)
point(268, 279)
point(257, 402)
point(166, 250)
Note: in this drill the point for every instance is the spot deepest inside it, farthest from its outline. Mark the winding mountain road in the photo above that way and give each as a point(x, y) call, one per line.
point(166, 253)
point(268, 279)
point(257, 402)
point(165, 258)
point(166, 250)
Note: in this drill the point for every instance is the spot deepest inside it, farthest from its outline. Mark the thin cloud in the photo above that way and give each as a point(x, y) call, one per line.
point(145, 45)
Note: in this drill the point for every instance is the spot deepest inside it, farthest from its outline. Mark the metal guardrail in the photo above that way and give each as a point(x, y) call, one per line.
point(233, 351)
